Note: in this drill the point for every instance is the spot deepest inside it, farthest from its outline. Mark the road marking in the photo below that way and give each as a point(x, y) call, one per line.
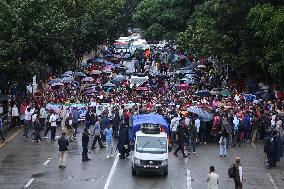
point(111, 172)
point(46, 162)
point(188, 177)
point(29, 183)
point(272, 181)
point(10, 138)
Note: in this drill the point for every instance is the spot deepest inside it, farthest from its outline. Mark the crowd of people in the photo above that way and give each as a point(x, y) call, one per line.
point(195, 115)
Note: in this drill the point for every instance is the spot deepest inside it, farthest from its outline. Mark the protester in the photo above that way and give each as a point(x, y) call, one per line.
point(192, 136)
point(2, 130)
point(53, 125)
point(181, 141)
point(27, 122)
point(63, 148)
point(213, 179)
point(223, 142)
point(123, 142)
point(97, 134)
point(108, 134)
point(85, 142)
point(15, 116)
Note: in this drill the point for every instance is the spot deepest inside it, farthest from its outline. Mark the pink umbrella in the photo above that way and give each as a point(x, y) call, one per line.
point(88, 79)
point(142, 89)
point(183, 87)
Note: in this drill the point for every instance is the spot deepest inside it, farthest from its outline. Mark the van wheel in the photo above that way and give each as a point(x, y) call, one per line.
point(166, 173)
point(134, 173)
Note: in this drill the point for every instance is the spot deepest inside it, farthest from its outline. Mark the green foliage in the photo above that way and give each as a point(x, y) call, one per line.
point(162, 19)
point(54, 33)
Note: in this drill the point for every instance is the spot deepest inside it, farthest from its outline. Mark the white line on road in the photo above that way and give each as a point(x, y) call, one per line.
point(272, 181)
point(188, 179)
point(111, 172)
point(46, 162)
point(29, 183)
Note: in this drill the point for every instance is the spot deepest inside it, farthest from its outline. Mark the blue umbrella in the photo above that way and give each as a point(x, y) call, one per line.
point(119, 78)
point(56, 80)
point(202, 114)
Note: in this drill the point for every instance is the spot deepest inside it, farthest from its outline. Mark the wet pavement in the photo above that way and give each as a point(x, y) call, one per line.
point(22, 160)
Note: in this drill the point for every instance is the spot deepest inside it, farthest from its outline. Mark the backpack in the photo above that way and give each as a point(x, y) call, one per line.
point(232, 171)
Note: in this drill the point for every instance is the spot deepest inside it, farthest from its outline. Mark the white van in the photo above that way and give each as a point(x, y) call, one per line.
point(150, 152)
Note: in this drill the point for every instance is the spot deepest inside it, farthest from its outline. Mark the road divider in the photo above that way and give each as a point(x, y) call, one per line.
point(29, 182)
point(111, 172)
point(11, 138)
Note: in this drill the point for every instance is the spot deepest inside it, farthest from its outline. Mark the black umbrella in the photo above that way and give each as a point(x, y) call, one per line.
point(203, 93)
point(79, 74)
point(260, 92)
point(3, 98)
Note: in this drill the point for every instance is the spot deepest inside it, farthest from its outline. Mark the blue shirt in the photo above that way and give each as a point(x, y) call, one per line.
point(108, 134)
point(75, 116)
point(1, 124)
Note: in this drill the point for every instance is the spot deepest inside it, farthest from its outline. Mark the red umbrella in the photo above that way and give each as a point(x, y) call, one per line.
point(183, 87)
point(142, 89)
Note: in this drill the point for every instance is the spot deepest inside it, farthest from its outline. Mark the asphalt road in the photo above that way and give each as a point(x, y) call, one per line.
point(24, 163)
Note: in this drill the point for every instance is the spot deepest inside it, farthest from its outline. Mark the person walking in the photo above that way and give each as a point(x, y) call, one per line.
point(42, 117)
point(213, 179)
point(174, 126)
point(2, 130)
point(15, 116)
point(108, 134)
point(63, 148)
point(27, 123)
point(223, 142)
point(37, 128)
point(75, 121)
point(69, 127)
point(192, 136)
point(48, 126)
point(85, 142)
point(97, 134)
point(238, 174)
point(53, 125)
point(181, 140)
point(123, 142)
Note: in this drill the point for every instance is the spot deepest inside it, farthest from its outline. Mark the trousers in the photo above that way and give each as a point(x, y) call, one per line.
point(63, 155)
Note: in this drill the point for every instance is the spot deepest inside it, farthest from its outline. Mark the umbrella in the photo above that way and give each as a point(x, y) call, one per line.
point(95, 72)
point(3, 98)
point(69, 72)
point(109, 85)
point(201, 66)
point(225, 93)
point(107, 71)
point(90, 91)
point(260, 92)
point(56, 80)
point(183, 87)
point(203, 93)
point(79, 74)
point(88, 79)
point(57, 84)
point(202, 114)
point(67, 80)
point(65, 75)
point(119, 78)
point(109, 67)
point(142, 89)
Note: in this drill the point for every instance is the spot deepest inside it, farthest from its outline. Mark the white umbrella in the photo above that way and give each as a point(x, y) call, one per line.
point(95, 72)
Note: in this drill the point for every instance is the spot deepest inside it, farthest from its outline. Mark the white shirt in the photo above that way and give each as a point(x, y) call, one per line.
point(174, 123)
point(187, 121)
point(241, 173)
point(28, 114)
point(15, 111)
point(213, 180)
point(34, 116)
point(52, 120)
point(197, 124)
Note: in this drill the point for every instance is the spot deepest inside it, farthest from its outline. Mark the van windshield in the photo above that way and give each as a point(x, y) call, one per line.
point(153, 145)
